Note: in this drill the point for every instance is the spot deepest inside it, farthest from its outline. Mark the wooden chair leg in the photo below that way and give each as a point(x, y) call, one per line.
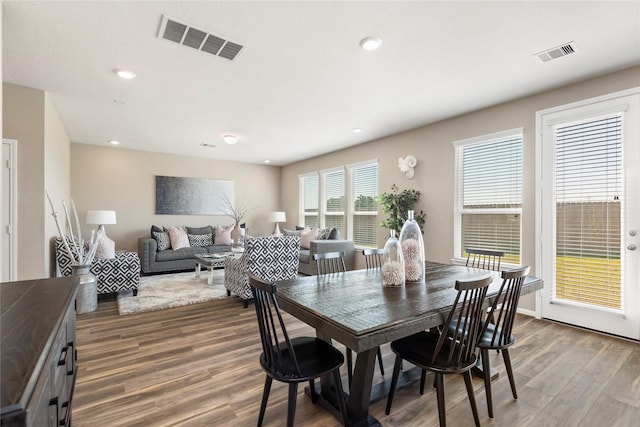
point(265, 397)
point(486, 368)
point(394, 383)
point(312, 391)
point(423, 378)
point(349, 365)
point(380, 361)
point(472, 396)
point(291, 406)
point(440, 394)
point(507, 364)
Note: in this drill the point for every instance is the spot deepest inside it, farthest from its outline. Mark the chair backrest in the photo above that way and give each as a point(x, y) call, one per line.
point(485, 259)
point(330, 262)
point(462, 326)
point(373, 258)
point(502, 312)
point(273, 258)
point(279, 355)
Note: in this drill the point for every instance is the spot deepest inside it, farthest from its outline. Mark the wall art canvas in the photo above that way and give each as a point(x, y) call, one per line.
point(192, 196)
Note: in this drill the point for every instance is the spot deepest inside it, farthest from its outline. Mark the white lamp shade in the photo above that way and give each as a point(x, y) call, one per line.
point(277, 217)
point(101, 217)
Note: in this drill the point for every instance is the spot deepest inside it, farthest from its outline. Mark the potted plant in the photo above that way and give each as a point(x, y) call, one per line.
point(396, 204)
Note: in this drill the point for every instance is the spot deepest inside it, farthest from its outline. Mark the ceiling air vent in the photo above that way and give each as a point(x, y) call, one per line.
point(198, 39)
point(558, 52)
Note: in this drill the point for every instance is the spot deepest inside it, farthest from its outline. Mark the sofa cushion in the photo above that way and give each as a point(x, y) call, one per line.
point(334, 234)
point(162, 238)
point(218, 248)
point(223, 235)
point(304, 256)
point(200, 239)
point(200, 230)
point(179, 254)
point(307, 236)
point(179, 238)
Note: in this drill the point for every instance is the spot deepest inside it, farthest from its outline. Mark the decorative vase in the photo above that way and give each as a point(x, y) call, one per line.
point(392, 271)
point(235, 233)
point(412, 249)
point(87, 298)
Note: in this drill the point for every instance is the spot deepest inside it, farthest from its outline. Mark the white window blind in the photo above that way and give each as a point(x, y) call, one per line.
point(364, 204)
point(310, 189)
point(334, 200)
point(588, 184)
point(490, 195)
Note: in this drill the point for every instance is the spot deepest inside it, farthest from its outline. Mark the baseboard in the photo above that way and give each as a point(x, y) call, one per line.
point(526, 312)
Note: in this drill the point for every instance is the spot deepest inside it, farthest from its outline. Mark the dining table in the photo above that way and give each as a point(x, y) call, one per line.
point(355, 309)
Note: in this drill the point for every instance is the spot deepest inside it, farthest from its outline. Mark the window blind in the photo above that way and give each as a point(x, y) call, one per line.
point(588, 184)
point(310, 188)
point(334, 200)
point(364, 210)
point(490, 196)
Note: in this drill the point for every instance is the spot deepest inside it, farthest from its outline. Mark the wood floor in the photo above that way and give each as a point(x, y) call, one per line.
point(198, 366)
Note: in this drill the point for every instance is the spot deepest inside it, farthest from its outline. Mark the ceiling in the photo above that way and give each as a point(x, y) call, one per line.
point(301, 83)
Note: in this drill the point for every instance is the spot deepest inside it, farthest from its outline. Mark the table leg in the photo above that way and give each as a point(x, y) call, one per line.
point(198, 270)
point(210, 278)
point(360, 391)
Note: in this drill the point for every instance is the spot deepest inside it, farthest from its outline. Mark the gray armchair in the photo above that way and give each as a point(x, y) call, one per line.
point(268, 258)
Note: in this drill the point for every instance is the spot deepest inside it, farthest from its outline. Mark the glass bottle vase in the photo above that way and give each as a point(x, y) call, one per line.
point(392, 271)
point(413, 250)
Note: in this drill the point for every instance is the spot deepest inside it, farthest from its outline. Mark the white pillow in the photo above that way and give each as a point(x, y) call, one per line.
point(178, 237)
point(222, 235)
point(307, 236)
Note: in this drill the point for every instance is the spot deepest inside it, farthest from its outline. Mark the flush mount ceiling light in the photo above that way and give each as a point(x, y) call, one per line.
point(230, 139)
point(267, 161)
point(370, 43)
point(356, 130)
point(125, 74)
point(114, 142)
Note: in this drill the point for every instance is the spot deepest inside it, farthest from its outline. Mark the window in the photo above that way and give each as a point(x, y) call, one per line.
point(309, 188)
point(333, 197)
point(489, 194)
point(349, 201)
point(363, 217)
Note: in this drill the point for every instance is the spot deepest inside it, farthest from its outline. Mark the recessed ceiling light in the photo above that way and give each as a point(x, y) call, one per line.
point(114, 142)
point(267, 161)
point(230, 139)
point(370, 43)
point(125, 74)
point(356, 130)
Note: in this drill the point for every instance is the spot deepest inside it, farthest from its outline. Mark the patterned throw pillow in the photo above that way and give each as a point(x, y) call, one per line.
point(162, 238)
point(223, 235)
point(178, 237)
point(286, 232)
point(323, 233)
point(201, 240)
point(307, 236)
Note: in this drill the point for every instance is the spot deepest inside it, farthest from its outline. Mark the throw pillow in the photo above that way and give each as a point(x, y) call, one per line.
point(201, 240)
point(297, 232)
point(299, 227)
point(156, 229)
point(323, 233)
point(162, 238)
point(223, 235)
point(307, 236)
point(200, 230)
point(334, 234)
point(178, 237)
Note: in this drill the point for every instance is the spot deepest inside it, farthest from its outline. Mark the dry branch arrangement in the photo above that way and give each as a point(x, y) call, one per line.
point(81, 254)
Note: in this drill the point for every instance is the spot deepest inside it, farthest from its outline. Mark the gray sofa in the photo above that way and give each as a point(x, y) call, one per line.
point(154, 261)
point(332, 243)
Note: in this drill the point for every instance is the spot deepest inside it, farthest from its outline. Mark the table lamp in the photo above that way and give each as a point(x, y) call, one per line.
point(277, 217)
point(101, 217)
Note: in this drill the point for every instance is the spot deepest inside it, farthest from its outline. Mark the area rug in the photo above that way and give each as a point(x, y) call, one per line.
point(171, 290)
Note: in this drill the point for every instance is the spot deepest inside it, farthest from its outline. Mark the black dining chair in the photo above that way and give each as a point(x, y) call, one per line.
point(291, 360)
point(484, 259)
point(373, 258)
point(444, 352)
point(330, 262)
point(333, 262)
point(497, 331)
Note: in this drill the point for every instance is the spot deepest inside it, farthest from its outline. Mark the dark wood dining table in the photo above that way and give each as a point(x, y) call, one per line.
point(354, 309)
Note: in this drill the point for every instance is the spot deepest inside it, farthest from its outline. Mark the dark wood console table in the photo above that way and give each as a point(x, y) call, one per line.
point(39, 357)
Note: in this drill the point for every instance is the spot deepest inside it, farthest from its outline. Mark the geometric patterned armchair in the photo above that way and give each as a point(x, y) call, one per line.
point(115, 274)
point(269, 258)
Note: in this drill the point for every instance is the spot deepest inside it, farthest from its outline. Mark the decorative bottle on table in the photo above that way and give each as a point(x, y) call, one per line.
point(413, 250)
point(392, 271)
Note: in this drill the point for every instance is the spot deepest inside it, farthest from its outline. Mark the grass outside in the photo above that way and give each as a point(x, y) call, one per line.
point(595, 281)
